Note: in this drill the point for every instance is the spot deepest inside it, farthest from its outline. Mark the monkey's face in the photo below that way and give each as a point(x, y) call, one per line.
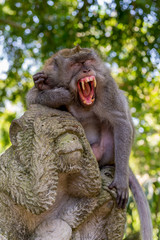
point(82, 68)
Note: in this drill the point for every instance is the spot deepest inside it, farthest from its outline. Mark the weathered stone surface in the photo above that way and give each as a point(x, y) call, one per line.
point(50, 184)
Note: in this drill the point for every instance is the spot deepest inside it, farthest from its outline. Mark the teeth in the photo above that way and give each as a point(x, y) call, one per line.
point(83, 86)
point(88, 79)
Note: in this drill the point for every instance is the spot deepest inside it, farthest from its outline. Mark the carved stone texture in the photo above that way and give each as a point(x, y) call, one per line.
point(51, 187)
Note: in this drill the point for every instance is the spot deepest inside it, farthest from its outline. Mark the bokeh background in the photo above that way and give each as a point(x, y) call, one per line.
point(126, 34)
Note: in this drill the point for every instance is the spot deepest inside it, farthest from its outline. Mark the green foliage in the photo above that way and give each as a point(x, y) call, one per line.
point(126, 35)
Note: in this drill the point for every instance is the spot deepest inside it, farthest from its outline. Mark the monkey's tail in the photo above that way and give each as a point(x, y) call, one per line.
point(143, 207)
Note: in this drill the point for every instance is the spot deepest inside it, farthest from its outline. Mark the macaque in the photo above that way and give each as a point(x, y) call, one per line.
point(78, 81)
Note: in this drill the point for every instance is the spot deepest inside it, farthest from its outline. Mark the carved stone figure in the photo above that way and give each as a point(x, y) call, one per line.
point(51, 187)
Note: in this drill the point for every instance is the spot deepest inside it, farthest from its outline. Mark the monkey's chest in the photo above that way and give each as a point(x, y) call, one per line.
point(100, 136)
point(101, 140)
point(92, 133)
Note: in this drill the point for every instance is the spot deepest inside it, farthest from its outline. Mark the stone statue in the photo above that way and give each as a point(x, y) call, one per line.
point(51, 187)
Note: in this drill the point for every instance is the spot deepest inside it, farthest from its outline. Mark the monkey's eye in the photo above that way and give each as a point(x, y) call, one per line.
point(78, 64)
point(90, 61)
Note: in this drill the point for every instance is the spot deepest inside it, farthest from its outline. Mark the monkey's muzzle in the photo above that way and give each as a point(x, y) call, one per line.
point(86, 90)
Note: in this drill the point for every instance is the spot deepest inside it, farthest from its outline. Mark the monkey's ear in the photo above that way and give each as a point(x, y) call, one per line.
point(56, 63)
point(77, 49)
point(15, 128)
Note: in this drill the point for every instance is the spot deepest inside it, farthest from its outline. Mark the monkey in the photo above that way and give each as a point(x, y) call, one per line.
point(78, 81)
point(98, 104)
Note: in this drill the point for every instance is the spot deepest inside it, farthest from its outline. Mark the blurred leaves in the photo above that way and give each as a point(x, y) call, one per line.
point(125, 33)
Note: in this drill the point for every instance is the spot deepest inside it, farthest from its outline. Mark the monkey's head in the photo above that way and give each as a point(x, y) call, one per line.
point(78, 69)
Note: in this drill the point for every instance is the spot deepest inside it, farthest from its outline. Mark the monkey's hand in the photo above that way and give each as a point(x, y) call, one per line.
point(40, 80)
point(122, 189)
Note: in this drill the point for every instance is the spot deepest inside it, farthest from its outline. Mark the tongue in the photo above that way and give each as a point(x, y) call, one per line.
point(87, 90)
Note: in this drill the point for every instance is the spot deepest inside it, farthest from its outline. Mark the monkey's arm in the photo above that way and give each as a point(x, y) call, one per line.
point(52, 97)
point(31, 96)
point(117, 112)
point(122, 145)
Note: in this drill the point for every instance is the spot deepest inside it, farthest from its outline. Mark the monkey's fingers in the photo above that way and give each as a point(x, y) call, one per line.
point(122, 195)
point(126, 199)
point(41, 79)
point(112, 185)
point(39, 82)
point(122, 199)
point(39, 75)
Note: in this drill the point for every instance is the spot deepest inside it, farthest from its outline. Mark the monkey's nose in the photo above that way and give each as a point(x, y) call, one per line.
point(86, 70)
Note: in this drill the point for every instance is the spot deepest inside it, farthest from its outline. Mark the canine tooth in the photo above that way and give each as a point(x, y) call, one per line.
point(83, 86)
point(95, 83)
point(87, 79)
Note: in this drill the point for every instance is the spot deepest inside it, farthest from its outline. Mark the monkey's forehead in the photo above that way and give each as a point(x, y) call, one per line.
point(74, 52)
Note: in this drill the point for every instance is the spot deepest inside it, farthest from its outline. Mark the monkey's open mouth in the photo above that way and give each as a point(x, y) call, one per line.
point(86, 91)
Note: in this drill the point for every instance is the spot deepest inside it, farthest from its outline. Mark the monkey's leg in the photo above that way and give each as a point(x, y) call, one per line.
point(122, 144)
